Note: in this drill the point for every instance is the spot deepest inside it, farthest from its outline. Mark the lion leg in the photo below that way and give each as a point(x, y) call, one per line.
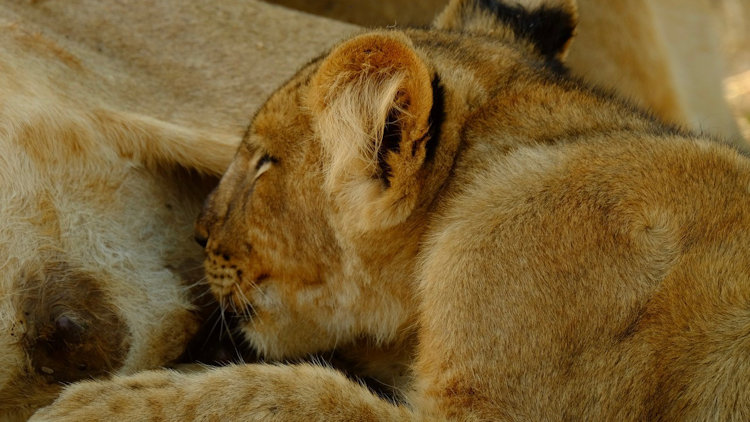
point(245, 392)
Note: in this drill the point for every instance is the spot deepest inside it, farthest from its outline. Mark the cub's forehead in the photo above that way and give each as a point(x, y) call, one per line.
point(284, 120)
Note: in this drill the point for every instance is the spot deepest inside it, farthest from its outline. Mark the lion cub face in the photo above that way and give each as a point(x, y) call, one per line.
point(308, 235)
point(312, 234)
point(269, 246)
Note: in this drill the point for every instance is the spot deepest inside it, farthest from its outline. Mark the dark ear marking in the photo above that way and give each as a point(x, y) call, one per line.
point(437, 116)
point(548, 28)
point(391, 140)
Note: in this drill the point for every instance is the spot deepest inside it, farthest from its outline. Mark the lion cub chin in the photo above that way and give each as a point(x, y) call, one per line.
point(468, 225)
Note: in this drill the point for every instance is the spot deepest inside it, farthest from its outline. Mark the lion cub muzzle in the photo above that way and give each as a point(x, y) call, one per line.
point(231, 266)
point(229, 278)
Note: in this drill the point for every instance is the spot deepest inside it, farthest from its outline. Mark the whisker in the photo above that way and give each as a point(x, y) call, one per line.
point(258, 289)
point(195, 284)
point(197, 266)
point(247, 306)
point(213, 327)
point(201, 296)
point(213, 313)
point(223, 317)
point(234, 345)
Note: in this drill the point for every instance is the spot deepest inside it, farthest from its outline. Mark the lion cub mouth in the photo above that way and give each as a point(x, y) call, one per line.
point(233, 289)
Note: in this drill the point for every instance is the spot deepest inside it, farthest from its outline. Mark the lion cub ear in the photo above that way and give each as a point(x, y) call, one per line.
point(371, 100)
point(548, 24)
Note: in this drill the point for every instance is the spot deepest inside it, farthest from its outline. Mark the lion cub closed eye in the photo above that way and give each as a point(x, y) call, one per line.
point(463, 222)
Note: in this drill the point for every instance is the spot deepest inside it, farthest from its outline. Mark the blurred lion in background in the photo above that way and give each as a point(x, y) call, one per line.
point(111, 137)
point(669, 56)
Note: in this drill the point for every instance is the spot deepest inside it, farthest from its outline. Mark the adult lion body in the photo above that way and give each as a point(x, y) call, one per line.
point(109, 144)
point(501, 241)
point(97, 210)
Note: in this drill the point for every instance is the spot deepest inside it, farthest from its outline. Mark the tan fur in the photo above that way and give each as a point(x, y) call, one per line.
point(111, 138)
point(567, 257)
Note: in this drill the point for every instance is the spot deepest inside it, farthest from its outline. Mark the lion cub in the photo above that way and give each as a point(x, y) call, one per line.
point(496, 239)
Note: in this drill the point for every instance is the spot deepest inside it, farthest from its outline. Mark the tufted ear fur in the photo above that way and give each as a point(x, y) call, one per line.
point(549, 25)
point(372, 98)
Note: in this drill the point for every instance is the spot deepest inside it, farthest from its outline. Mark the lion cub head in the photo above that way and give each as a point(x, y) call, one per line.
point(312, 234)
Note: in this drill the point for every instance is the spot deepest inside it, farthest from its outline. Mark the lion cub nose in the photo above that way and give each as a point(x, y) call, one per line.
point(202, 241)
point(200, 232)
